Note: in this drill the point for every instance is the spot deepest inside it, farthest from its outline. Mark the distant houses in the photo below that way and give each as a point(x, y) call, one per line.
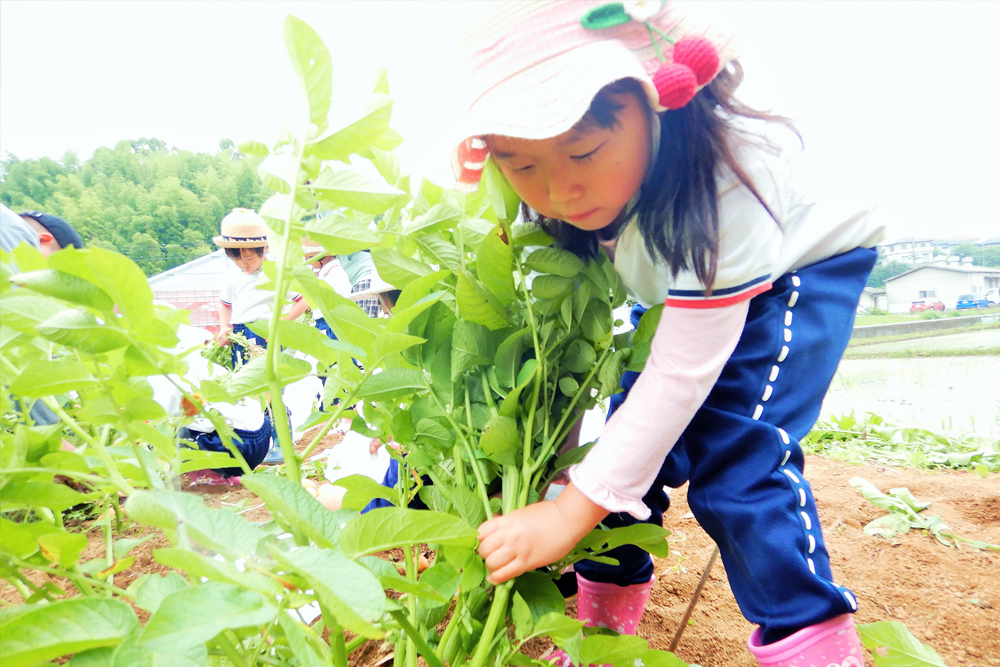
point(937, 271)
point(944, 283)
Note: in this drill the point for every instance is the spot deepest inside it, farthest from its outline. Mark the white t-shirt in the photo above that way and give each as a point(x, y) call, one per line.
point(697, 334)
point(753, 249)
point(245, 415)
point(333, 274)
point(248, 304)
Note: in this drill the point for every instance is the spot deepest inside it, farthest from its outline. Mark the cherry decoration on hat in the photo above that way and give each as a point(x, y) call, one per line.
point(695, 60)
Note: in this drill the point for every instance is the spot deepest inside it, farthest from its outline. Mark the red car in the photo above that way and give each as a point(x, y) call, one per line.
point(926, 304)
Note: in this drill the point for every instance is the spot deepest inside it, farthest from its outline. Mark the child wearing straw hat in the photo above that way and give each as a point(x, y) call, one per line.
point(619, 127)
point(244, 238)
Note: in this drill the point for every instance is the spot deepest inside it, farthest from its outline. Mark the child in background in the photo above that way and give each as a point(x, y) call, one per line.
point(620, 130)
point(252, 427)
point(244, 237)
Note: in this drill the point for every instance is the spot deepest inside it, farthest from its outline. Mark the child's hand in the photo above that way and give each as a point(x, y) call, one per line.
point(537, 535)
point(529, 538)
point(222, 338)
point(189, 408)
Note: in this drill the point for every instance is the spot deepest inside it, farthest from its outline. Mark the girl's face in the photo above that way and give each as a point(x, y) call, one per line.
point(249, 261)
point(585, 176)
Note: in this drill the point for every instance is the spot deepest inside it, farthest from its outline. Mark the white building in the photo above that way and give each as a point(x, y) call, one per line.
point(945, 283)
point(909, 251)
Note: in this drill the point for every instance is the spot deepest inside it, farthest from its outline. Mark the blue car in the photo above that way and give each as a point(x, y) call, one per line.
point(972, 301)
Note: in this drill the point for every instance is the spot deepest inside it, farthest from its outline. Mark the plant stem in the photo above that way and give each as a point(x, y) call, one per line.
point(497, 613)
point(411, 603)
point(558, 433)
point(422, 646)
point(73, 577)
point(109, 545)
point(229, 648)
point(480, 483)
point(337, 642)
point(449, 630)
point(487, 392)
point(354, 644)
point(292, 465)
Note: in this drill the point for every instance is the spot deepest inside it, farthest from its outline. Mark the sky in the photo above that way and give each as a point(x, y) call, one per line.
point(893, 99)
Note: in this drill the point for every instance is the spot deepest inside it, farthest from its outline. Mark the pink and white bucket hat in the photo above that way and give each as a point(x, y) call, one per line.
point(532, 68)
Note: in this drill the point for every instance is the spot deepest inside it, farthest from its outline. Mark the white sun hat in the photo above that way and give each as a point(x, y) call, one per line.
point(532, 69)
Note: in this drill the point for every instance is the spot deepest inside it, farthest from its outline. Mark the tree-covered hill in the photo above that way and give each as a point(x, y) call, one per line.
point(160, 206)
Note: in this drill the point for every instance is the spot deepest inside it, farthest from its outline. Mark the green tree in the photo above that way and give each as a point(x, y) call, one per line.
point(884, 271)
point(168, 197)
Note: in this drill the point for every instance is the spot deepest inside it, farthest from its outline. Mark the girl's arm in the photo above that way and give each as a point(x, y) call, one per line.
point(225, 314)
point(689, 350)
point(296, 310)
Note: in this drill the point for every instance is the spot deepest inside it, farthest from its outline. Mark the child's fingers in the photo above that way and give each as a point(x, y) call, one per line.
point(487, 528)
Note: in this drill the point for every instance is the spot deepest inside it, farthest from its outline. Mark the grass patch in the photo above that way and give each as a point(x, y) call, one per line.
point(871, 440)
point(921, 354)
point(878, 340)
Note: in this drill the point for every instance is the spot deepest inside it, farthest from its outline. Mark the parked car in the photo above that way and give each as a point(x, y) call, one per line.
point(972, 301)
point(993, 296)
point(926, 304)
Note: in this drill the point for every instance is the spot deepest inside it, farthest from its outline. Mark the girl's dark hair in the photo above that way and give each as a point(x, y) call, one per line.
point(677, 207)
point(236, 253)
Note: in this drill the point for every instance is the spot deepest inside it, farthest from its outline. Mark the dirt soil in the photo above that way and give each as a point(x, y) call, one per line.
point(949, 598)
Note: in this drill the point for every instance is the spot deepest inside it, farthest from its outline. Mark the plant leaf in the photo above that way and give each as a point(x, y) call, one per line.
point(478, 304)
point(348, 589)
point(556, 261)
point(340, 235)
point(69, 626)
point(494, 262)
point(357, 136)
point(390, 527)
point(194, 615)
point(350, 189)
point(392, 383)
point(397, 269)
point(65, 286)
point(313, 67)
point(81, 330)
point(892, 645)
point(619, 650)
point(43, 377)
point(216, 529)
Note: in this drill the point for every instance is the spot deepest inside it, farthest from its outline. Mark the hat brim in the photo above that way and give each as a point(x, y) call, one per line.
point(552, 97)
point(225, 242)
point(379, 287)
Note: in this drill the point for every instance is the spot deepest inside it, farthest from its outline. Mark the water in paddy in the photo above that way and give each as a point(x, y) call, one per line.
point(948, 394)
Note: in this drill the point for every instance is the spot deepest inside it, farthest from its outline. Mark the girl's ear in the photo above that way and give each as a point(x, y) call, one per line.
point(45, 238)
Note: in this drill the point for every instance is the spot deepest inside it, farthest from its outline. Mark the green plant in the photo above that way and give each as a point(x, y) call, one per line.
point(497, 345)
point(905, 513)
point(846, 438)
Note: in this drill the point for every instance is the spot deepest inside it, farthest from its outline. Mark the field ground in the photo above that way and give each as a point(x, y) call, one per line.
point(949, 598)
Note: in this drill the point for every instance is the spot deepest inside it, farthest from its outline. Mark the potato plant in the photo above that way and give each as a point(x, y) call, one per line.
point(497, 344)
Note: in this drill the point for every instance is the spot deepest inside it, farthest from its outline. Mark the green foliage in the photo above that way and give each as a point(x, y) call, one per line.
point(478, 377)
point(847, 438)
point(892, 645)
point(886, 270)
point(905, 513)
point(159, 206)
point(981, 255)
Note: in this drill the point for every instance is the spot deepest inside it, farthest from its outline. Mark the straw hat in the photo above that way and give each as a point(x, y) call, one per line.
point(242, 228)
point(533, 68)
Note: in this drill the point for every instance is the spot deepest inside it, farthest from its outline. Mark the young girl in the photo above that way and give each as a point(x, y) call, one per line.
point(618, 127)
point(244, 237)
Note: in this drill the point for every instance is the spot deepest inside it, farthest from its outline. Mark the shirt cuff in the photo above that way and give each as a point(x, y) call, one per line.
point(605, 497)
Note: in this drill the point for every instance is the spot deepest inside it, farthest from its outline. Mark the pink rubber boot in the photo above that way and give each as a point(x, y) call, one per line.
point(832, 643)
point(607, 606)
